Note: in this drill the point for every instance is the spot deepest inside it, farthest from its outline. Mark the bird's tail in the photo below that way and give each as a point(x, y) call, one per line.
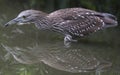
point(109, 20)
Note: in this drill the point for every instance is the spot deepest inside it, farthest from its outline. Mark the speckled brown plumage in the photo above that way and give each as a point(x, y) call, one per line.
point(71, 22)
point(77, 21)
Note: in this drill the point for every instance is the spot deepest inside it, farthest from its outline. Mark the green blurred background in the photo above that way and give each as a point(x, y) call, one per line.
point(111, 6)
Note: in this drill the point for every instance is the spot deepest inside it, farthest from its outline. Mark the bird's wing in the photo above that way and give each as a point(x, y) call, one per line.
point(83, 25)
point(77, 22)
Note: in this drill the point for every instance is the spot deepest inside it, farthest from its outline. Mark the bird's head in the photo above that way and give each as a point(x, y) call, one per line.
point(26, 17)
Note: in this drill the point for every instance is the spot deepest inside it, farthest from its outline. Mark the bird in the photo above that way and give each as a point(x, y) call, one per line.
point(70, 22)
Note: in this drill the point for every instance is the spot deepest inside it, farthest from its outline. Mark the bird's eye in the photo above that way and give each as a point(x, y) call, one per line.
point(24, 17)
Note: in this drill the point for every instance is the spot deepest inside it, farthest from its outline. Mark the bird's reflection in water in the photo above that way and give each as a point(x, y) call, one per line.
point(77, 58)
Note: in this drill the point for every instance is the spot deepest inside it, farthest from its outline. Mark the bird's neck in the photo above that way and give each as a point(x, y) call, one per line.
point(43, 23)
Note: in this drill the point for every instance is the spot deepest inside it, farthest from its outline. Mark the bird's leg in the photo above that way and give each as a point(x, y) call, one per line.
point(68, 39)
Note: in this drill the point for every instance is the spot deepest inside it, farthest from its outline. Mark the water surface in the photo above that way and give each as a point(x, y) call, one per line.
point(25, 50)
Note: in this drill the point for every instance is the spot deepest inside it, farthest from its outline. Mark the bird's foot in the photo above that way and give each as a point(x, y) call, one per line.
point(67, 40)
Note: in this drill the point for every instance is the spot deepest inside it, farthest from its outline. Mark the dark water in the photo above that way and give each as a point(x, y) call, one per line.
point(25, 50)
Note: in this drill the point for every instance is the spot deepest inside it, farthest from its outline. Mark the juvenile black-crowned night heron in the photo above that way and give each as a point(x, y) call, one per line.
point(71, 22)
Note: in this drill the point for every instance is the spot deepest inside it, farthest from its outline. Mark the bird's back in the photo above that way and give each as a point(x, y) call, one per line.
point(79, 21)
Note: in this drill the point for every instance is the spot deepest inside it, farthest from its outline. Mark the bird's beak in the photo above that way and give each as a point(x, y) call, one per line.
point(14, 21)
